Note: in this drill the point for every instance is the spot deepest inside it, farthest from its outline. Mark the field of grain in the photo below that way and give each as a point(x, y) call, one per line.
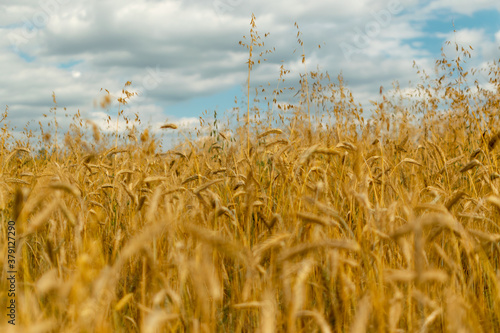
point(384, 220)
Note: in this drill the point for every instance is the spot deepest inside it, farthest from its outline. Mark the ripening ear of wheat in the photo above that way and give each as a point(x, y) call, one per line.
point(172, 126)
point(322, 225)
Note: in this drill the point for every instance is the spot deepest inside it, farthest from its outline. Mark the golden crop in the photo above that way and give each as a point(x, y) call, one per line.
point(294, 222)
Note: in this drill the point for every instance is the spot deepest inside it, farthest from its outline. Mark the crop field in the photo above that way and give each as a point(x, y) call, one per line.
point(314, 217)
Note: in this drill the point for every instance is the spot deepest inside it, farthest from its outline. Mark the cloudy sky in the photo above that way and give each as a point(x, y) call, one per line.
point(183, 56)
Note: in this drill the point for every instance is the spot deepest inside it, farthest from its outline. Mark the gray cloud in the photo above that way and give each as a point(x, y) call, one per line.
point(193, 47)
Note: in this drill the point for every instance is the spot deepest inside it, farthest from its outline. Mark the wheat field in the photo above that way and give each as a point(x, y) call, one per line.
point(305, 218)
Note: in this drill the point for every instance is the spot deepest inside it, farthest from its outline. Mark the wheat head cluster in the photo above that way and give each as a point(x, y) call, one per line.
point(302, 218)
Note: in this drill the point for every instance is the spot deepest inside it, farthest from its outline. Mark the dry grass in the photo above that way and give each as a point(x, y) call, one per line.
point(391, 225)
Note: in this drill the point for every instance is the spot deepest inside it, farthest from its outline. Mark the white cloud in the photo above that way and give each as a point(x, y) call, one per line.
point(463, 6)
point(194, 51)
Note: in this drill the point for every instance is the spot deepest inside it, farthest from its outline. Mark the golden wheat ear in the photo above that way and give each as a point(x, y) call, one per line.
point(172, 126)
